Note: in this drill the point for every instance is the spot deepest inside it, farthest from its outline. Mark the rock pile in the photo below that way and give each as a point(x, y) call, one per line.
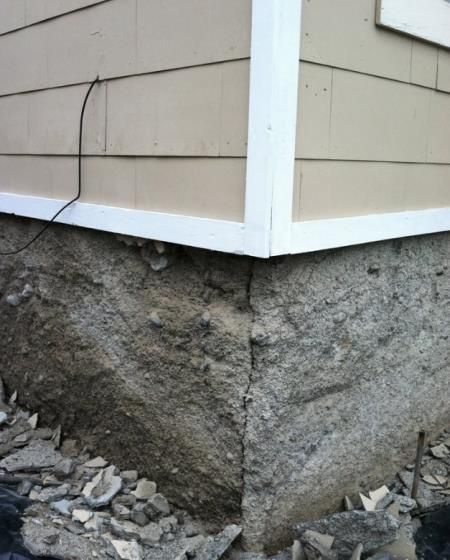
point(82, 507)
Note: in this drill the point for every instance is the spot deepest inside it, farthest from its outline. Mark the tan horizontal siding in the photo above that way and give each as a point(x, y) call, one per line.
point(343, 34)
point(47, 122)
point(12, 14)
point(443, 81)
point(15, 14)
point(40, 10)
point(195, 111)
point(124, 37)
point(198, 111)
point(210, 188)
point(337, 189)
point(351, 116)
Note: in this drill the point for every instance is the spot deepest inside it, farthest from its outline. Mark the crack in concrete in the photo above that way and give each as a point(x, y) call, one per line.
point(246, 397)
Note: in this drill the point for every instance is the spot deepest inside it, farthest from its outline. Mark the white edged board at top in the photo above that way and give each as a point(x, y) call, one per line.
point(425, 19)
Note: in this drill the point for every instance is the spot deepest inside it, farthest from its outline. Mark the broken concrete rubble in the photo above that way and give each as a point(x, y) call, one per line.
point(373, 529)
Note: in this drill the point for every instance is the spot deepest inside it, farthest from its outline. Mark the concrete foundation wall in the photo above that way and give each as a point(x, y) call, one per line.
point(252, 391)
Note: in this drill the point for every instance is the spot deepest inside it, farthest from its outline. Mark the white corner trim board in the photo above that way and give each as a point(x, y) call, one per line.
point(426, 19)
point(217, 235)
point(274, 68)
point(316, 235)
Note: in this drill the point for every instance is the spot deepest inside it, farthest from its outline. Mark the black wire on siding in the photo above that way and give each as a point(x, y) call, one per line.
point(80, 154)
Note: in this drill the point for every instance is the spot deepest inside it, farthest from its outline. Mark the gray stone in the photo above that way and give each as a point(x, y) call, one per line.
point(150, 534)
point(13, 300)
point(63, 507)
point(129, 476)
point(216, 547)
point(159, 504)
point(53, 494)
point(373, 529)
point(3, 417)
point(145, 489)
point(138, 515)
point(103, 487)
point(125, 529)
point(121, 512)
point(127, 550)
point(39, 454)
point(24, 488)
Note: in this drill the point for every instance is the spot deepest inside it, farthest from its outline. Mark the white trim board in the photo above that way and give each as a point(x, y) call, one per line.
point(274, 68)
point(317, 235)
point(425, 19)
point(217, 235)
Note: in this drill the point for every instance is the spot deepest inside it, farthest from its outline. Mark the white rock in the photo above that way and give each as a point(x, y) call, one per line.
point(33, 421)
point(379, 494)
point(81, 515)
point(3, 417)
point(97, 463)
point(103, 487)
point(439, 451)
point(127, 550)
point(145, 489)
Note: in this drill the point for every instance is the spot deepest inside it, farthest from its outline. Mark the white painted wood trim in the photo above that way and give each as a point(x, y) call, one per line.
point(317, 235)
point(426, 19)
point(274, 67)
point(217, 235)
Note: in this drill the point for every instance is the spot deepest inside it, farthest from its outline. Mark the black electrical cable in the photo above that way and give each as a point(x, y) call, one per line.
point(80, 155)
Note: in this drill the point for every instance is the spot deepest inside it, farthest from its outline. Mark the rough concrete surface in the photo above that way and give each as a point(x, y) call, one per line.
point(83, 350)
point(266, 389)
point(354, 358)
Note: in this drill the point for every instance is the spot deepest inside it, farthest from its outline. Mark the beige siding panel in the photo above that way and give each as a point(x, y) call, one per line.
point(343, 34)
point(71, 49)
point(210, 188)
point(12, 14)
point(39, 10)
point(377, 119)
point(443, 80)
point(54, 177)
point(198, 111)
point(234, 108)
point(314, 109)
point(336, 189)
point(172, 34)
point(424, 64)
point(47, 122)
point(439, 138)
point(104, 40)
point(204, 187)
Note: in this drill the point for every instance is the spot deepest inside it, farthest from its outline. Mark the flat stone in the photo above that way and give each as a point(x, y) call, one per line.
point(216, 548)
point(121, 512)
point(125, 529)
point(33, 420)
point(138, 515)
point(145, 489)
point(62, 507)
point(129, 476)
point(439, 451)
point(371, 528)
point(53, 494)
point(81, 515)
point(95, 523)
point(103, 487)
point(150, 534)
point(39, 454)
point(159, 504)
point(97, 463)
point(127, 550)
